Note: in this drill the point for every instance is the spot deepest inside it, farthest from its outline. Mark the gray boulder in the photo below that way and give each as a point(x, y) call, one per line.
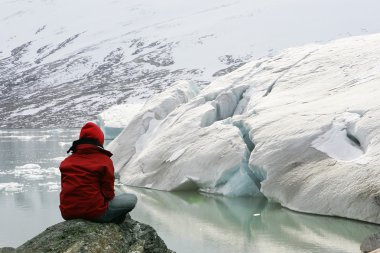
point(84, 236)
point(371, 243)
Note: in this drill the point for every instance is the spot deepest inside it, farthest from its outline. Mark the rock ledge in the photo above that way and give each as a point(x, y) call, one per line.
point(84, 236)
point(371, 244)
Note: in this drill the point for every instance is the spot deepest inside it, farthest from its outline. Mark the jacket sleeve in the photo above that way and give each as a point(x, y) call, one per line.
point(107, 182)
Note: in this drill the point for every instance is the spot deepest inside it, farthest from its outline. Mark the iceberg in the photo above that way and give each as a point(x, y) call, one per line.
point(299, 128)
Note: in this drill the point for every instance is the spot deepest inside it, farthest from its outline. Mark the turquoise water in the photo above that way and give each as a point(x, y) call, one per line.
point(187, 221)
point(191, 222)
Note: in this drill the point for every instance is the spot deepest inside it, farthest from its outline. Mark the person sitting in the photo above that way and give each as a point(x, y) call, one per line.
point(87, 181)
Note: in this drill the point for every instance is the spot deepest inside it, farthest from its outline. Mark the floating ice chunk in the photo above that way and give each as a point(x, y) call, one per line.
point(32, 177)
point(29, 166)
point(28, 137)
point(54, 187)
point(58, 159)
point(11, 187)
point(35, 172)
point(29, 172)
point(56, 131)
point(8, 132)
point(51, 186)
point(64, 144)
point(21, 137)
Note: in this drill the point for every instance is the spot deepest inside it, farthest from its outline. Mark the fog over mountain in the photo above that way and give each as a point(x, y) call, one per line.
point(64, 62)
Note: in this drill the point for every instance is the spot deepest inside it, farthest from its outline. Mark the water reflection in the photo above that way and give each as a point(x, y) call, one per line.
point(29, 181)
point(188, 222)
point(191, 222)
point(26, 214)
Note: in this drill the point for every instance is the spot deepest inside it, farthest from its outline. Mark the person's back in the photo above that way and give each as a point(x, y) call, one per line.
point(87, 181)
point(82, 196)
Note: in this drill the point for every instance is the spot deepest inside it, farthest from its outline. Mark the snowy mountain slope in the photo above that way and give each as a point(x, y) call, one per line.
point(63, 62)
point(300, 127)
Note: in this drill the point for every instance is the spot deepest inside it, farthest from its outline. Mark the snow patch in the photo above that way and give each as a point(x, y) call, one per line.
point(337, 145)
point(337, 142)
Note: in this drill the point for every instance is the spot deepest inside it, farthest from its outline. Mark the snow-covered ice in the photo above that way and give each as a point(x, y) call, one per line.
point(337, 142)
point(113, 120)
point(155, 110)
point(299, 127)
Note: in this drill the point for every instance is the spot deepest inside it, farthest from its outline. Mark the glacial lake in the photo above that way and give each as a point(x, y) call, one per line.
point(187, 221)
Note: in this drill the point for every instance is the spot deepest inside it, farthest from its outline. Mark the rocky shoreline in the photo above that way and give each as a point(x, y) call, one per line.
point(84, 236)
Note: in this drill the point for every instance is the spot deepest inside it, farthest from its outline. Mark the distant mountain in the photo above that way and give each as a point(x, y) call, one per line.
point(63, 62)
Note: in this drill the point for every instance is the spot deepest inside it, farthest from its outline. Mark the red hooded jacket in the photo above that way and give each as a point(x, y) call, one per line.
point(87, 178)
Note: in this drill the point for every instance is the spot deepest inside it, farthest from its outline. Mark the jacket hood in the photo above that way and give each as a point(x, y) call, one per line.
point(92, 131)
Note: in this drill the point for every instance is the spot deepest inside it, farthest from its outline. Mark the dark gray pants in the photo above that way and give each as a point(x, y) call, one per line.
point(118, 208)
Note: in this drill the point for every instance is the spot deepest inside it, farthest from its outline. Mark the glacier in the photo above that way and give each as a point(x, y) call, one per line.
point(300, 128)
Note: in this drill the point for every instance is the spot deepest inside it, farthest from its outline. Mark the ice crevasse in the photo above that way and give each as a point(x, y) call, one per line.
point(301, 128)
